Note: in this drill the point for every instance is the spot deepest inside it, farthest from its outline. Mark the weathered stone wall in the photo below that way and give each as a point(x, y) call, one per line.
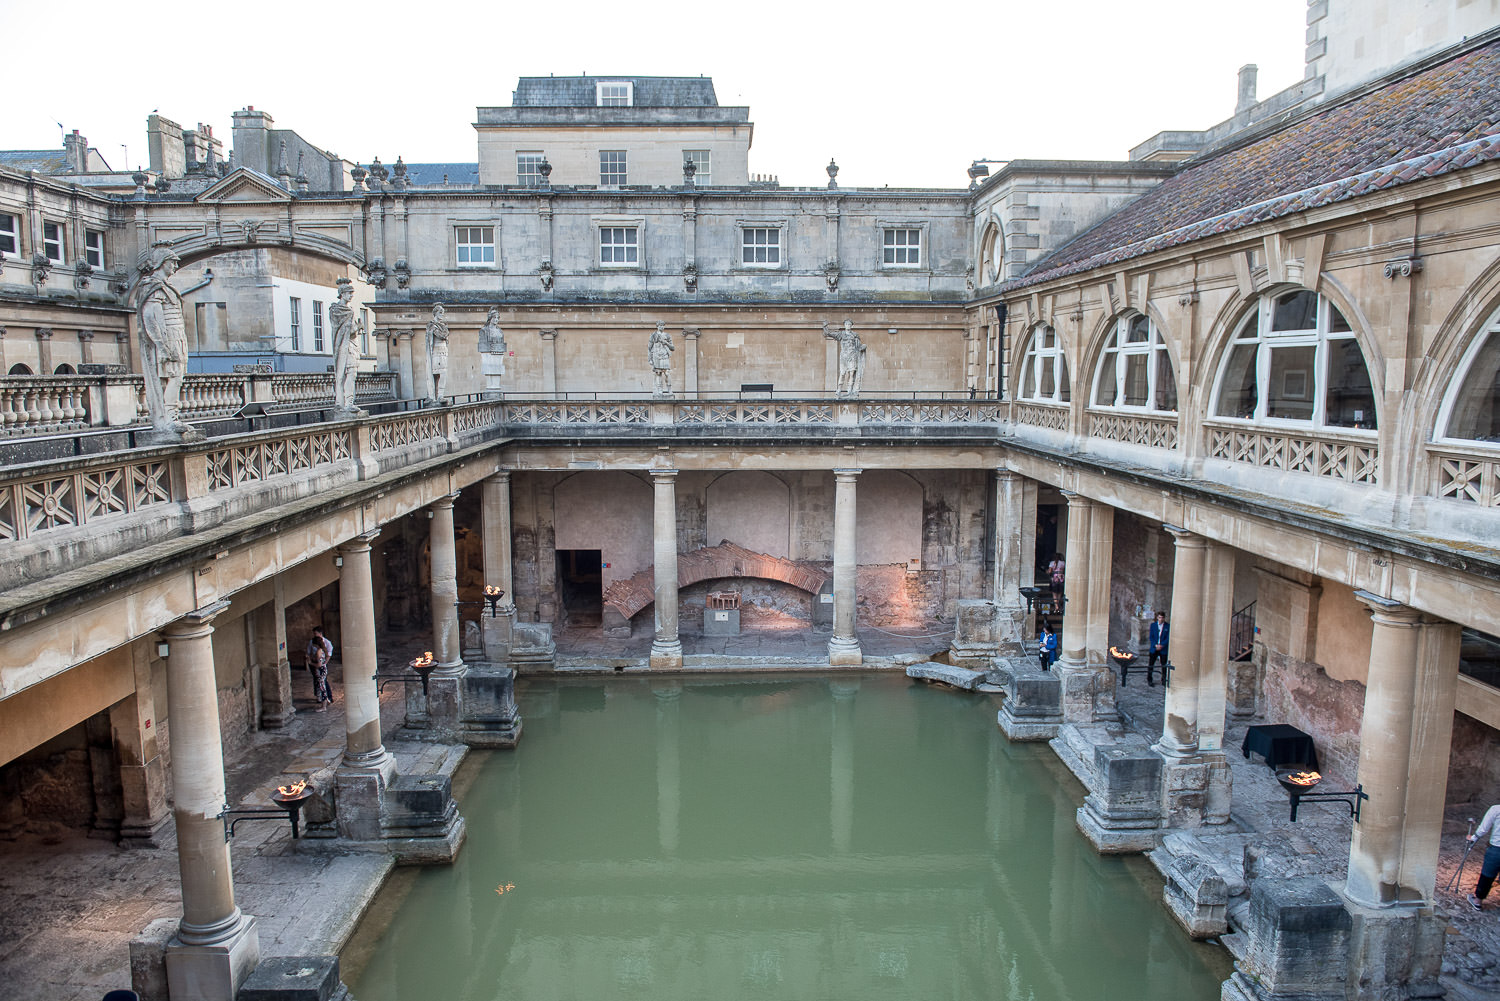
point(1474, 768)
point(1141, 581)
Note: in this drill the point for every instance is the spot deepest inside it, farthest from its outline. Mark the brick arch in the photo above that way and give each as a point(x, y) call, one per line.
point(631, 595)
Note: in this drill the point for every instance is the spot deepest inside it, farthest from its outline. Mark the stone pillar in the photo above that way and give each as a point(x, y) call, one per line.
point(44, 350)
point(216, 946)
point(444, 685)
point(843, 648)
point(1404, 741)
point(1100, 574)
point(268, 624)
point(666, 647)
point(549, 361)
point(1073, 670)
point(690, 362)
point(401, 340)
point(1180, 720)
point(143, 786)
point(367, 767)
point(1015, 558)
point(498, 566)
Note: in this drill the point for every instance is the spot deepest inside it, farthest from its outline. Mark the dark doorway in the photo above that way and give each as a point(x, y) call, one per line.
point(1047, 545)
point(580, 579)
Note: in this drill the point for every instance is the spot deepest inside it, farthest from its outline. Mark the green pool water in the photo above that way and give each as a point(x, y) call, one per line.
point(810, 838)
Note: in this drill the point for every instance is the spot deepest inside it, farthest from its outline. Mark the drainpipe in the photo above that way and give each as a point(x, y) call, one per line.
point(208, 276)
point(1000, 319)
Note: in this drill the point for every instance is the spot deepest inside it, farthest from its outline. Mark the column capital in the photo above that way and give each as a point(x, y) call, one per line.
point(847, 475)
point(1003, 473)
point(663, 475)
point(691, 333)
point(1185, 538)
point(196, 622)
point(1387, 611)
point(1076, 499)
point(548, 334)
point(360, 543)
point(502, 477)
point(445, 501)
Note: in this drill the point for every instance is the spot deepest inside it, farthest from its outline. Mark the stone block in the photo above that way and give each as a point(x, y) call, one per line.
point(944, 674)
point(1197, 790)
point(1243, 690)
point(490, 716)
point(1123, 814)
point(1297, 943)
point(822, 608)
point(1197, 897)
point(721, 622)
point(532, 649)
point(213, 972)
point(1033, 709)
point(1395, 953)
point(294, 978)
point(148, 969)
point(976, 634)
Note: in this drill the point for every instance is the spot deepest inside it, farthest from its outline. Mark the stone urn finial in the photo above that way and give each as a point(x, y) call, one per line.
point(833, 173)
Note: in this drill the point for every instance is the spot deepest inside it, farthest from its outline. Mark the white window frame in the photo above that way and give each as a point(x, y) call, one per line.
point(623, 173)
point(608, 231)
point(1255, 328)
point(776, 229)
point(93, 248)
point(606, 94)
point(475, 240)
point(364, 331)
point(318, 344)
point(887, 233)
point(1117, 352)
point(294, 310)
point(12, 232)
point(61, 242)
point(1035, 357)
point(532, 178)
point(704, 158)
point(1490, 329)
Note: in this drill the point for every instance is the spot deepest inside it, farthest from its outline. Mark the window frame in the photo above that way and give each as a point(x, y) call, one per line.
point(319, 342)
point(14, 233)
point(623, 173)
point(919, 228)
point(61, 242)
point(746, 227)
point(92, 255)
point(1119, 349)
point(705, 171)
point(1254, 329)
point(1034, 357)
point(601, 227)
point(463, 240)
point(1488, 331)
point(603, 101)
point(521, 178)
point(294, 312)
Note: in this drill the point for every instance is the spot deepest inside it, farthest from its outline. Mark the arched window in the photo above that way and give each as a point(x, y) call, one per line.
point(1044, 370)
point(1135, 371)
point(1473, 405)
point(990, 252)
point(1295, 359)
point(64, 369)
point(19, 369)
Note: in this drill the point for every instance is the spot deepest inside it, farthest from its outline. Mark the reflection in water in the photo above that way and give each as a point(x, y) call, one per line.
point(853, 837)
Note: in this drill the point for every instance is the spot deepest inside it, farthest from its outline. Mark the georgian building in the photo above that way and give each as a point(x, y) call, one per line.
point(1248, 377)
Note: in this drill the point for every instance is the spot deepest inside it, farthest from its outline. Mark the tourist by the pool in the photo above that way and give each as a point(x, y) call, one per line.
point(1160, 633)
point(1488, 828)
point(1047, 646)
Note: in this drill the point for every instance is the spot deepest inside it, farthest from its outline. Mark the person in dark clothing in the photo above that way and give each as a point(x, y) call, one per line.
point(1489, 829)
point(1158, 641)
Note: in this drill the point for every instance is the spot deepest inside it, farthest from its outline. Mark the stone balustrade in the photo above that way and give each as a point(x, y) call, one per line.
point(1350, 457)
point(1134, 429)
point(1469, 474)
point(34, 404)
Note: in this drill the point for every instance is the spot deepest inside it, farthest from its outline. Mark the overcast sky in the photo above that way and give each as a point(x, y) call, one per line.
point(899, 94)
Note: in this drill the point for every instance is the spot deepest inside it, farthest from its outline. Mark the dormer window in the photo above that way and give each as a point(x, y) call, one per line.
point(616, 94)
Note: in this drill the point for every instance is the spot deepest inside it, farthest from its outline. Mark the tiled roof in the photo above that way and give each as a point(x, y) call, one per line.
point(424, 174)
point(47, 161)
point(1441, 119)
point(648, 91)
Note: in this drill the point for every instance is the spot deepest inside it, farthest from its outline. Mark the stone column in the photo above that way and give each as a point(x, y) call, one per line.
point(1072, 666)
point(401, 340)
point(498, 566)
point(1179, 735)
point(143, 786)
point(843, 648)
point(363, 747)
point(690, 362)
point(549, 361)
point(444, 685)
point(666, 647)
point(1100, 574)
point(1404, 741)
point(1015, 557)
point(216, 947)
point(44, 350)
point(268, 623)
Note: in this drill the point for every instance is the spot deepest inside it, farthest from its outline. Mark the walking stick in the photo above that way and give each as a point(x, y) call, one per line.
point(1456, 876)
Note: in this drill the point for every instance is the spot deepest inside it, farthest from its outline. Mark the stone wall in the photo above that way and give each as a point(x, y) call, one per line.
point(1474, 768)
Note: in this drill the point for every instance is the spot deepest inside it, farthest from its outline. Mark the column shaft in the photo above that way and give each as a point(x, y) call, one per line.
point(1180, 723)
point(1213, 645)
point(498, 565)
point(843, 648)
point(363, 747)
point(1076, 609)
point(445, 635)
point(666, 647)
point(1099, 570)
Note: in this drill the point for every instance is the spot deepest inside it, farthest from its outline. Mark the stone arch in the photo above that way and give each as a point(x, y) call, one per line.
point(888, 517)
point(727, 561)
point(752, 507)
point(1019, 347)
point(1103, 332)
point(65, 369)
point(1466, 320)
point(19, 369)
point(991, 256)
point(608, 510)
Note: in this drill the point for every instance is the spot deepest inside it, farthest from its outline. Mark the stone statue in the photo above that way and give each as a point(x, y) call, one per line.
point(492, 350)
point(345, 348)
point(659, 352)
point(437, 349)
point(164, 350)
point(851, 357)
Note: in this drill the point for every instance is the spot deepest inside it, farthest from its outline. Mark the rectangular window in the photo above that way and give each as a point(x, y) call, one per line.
point(529, 169)
point(93, 248)
point(296, 305)
point(476, 246)
point(617, 94)
point(903, 248)
point(703, 160)
point(317, 315)
point(619, 246)
point(612, 171)
point(364, 331)
point(10, 240)
point(52, 242)
point(761, 247)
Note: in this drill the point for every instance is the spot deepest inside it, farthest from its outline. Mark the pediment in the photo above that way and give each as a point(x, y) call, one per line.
point(244, 185)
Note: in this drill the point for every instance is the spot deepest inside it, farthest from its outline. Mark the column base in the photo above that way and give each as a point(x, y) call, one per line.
point(1124, 813)
point(445, 701)
point(144, 833)
point(1395, 953)
point(215, 970)
point(1196, 790)
point(1088, 692)
point(666, 655)
point(496, 632)
point(1297, 944)
point(359, 796)
point(1032, 709)
point(843, 651)
point(490, 716)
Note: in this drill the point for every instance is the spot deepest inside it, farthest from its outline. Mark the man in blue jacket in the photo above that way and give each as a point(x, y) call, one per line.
point(1160, 631)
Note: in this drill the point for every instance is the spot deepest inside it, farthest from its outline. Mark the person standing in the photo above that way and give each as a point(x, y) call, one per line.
point(1159, 638)
point(319, 652)
point(1057, 573)
point(1488, 828)
point(1047, 646)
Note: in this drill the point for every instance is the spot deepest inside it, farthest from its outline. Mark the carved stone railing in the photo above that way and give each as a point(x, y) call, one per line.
point(1352, 459)
point(1134, 429)
point(753, 412)
point(211, 396)
point(1466, 475)
point(245, 462)
point(296, 389)
point(44, 403)
point(406, 429)
point(542, 414)
point(1041, 415)
point(81, 493)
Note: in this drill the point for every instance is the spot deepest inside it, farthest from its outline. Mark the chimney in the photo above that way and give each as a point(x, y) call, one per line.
point(252, 139)
point(76, 152)
point(1247, 89)
point(168, 152)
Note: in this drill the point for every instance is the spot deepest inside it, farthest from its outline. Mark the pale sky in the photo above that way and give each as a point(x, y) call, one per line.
point(899, 95)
